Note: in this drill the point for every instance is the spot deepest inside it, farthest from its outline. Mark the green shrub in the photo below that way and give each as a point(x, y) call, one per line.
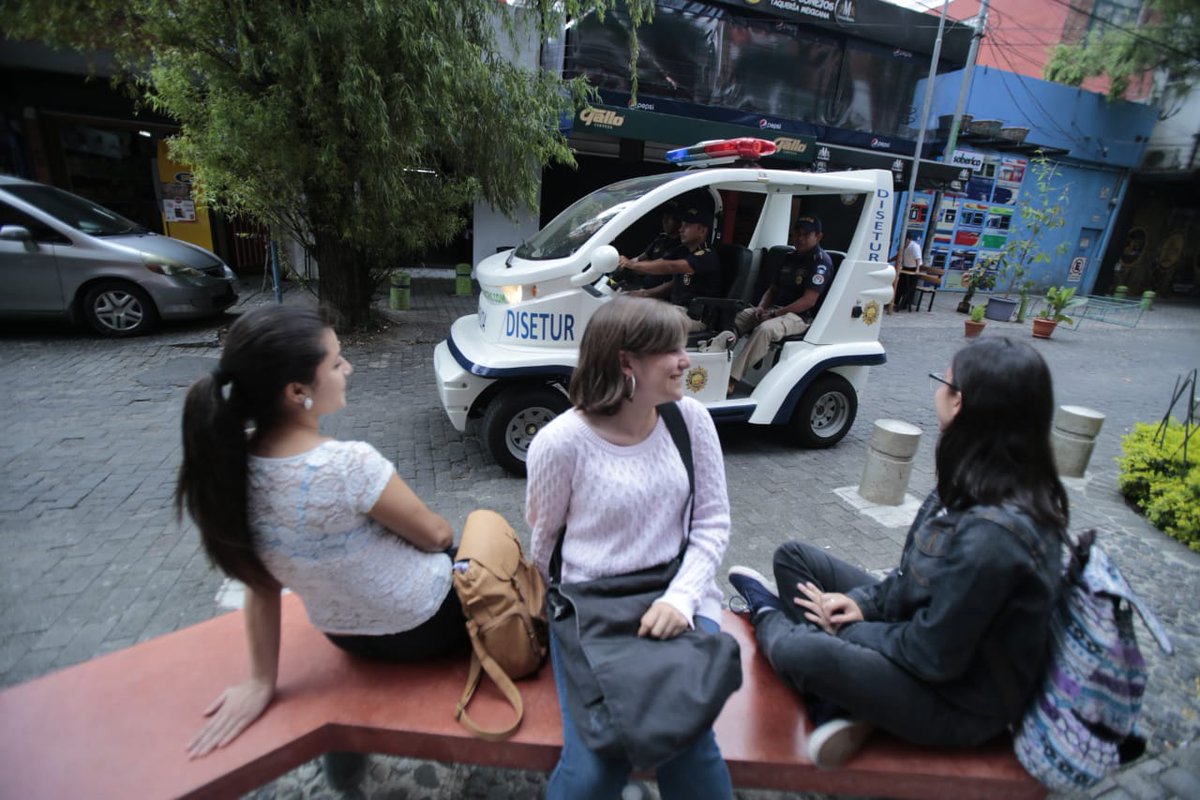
point(1153, 479)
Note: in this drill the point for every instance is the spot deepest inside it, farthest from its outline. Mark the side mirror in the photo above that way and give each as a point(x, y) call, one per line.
point(15, 233)
point(604, 261)
point(19, 233)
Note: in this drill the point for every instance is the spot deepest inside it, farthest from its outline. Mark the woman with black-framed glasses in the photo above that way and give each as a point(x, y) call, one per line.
point(948, 648)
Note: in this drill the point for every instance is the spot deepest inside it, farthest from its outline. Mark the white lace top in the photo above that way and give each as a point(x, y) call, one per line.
point(309, 516)
point(623, 505)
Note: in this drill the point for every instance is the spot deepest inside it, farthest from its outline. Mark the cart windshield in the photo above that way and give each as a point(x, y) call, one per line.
point(567, 232)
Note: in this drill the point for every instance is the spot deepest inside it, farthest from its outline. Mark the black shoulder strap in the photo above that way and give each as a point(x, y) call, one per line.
point(673, 418)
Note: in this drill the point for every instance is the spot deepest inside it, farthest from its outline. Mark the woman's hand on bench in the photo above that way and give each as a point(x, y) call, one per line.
point(231, 713)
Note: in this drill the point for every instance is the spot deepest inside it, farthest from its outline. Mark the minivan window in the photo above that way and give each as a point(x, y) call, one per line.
point(80, 214)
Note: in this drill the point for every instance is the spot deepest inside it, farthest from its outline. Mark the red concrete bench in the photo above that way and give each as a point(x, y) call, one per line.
point(117, 726)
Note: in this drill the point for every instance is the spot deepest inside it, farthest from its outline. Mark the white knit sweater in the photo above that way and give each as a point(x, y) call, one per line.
point(624, 506)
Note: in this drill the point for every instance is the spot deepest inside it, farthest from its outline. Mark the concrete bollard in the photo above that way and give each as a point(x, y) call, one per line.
point(1074, 438)
point(462, 280)
point(889, 461)
point(1148, 300)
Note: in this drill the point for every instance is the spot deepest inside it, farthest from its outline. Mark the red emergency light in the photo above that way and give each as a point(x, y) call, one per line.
point(722, 151)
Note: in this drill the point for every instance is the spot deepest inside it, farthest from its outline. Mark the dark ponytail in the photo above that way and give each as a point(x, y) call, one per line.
point(266, 349)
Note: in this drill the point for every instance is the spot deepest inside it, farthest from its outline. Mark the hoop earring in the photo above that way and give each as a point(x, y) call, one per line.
point(630, 386)
point(308, 403)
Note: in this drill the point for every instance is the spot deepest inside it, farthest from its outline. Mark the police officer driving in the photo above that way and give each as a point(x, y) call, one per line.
point(695, 268)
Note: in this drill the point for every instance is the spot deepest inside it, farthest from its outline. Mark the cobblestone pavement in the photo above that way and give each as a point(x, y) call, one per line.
point(92, 558)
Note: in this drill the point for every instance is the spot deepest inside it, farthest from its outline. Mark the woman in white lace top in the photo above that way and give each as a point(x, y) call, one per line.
point(278, 504)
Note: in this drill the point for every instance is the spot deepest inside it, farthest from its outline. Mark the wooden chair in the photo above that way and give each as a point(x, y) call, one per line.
point(929, 280)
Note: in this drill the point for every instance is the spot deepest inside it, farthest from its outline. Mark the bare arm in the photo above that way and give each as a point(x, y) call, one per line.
point(660, 292)
point(402, 512)
point(239, 706)
point(662, 266)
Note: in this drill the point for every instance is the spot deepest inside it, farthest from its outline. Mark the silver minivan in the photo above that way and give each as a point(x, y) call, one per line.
point(63, 255)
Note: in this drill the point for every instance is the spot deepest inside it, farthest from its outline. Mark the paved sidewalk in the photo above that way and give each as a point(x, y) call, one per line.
point(92, 559)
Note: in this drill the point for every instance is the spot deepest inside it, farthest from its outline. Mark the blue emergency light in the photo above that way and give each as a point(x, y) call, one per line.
point(722, 151)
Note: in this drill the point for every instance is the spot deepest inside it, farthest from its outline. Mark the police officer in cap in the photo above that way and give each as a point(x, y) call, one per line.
point(695, 269)
point(790, 302)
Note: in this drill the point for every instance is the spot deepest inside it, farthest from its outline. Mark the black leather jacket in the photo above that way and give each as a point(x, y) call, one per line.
point(972, 587)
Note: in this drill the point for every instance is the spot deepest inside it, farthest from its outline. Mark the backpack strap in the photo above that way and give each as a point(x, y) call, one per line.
point(676, 425)
point(482, 662)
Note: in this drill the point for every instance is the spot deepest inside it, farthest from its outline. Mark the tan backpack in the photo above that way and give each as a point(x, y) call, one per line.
point(504, 599)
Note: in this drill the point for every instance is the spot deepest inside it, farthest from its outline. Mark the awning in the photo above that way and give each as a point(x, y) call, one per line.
point(931, 175)
point(630, 123)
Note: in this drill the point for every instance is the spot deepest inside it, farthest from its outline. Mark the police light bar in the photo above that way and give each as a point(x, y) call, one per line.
point(721, 151)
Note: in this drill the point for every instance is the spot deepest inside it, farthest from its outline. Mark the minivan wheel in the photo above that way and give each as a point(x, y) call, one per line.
point(825, 412)
point(117, 308)
point(514, 417)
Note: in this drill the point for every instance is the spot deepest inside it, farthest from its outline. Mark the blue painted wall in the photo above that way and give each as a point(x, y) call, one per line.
point(1084, 123)
point(1103, 141)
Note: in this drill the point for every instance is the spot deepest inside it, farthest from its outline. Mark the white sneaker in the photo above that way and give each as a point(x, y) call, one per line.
point(833, 744)
point(720, 343)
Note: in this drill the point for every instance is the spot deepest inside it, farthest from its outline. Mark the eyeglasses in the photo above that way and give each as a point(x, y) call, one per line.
point(935, 379)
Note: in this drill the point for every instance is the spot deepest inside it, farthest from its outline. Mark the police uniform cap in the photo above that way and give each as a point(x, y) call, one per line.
point(809, 222)
point(694, 214)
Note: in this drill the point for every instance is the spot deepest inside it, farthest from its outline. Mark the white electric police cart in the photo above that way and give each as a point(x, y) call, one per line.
point(510, 363)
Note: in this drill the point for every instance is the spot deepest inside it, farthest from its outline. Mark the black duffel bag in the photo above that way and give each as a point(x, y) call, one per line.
point(638, 698)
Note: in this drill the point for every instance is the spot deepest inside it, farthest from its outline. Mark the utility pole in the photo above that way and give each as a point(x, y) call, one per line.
point(912, 177)
point(965, 87)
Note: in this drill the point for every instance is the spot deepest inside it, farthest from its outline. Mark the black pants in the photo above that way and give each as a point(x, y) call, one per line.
point(862, 682)
point(444, 633)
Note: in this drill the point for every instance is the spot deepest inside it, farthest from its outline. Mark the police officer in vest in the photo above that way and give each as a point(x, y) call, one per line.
point(695, 268)
point(790, 303)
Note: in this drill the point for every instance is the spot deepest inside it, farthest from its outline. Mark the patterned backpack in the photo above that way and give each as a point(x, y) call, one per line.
point(1082, 723)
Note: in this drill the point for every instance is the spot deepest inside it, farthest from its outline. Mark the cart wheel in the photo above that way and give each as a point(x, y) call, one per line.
point(514, 417)
point(825, 412)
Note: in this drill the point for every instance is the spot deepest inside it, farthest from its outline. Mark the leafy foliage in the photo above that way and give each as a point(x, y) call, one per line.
point(364, 129)
point(1154, 479)
point(1169, 41)
point(1057, 298)
point(1042, 211)
point(977, 312)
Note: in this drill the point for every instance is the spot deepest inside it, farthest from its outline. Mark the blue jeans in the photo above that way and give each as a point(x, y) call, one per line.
point(698, 772)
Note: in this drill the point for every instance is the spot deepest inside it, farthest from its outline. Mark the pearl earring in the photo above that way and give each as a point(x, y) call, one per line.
point(308, 403)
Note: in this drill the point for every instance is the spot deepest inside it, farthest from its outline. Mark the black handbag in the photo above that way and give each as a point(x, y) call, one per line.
point(642, 699)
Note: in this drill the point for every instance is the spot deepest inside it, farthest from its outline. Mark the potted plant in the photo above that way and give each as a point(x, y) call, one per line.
point(977, 277)
point(1042, 211)
point(1057, 300)
point(974, 326)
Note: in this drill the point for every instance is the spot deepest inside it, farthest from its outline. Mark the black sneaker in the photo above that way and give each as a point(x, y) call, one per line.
point(755, 589)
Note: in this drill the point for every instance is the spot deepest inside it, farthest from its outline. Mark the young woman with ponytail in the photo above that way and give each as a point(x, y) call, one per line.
point(278, 504)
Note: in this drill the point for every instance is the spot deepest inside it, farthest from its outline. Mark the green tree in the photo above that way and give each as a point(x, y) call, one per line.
point(1041, 210)
point(1167, 40)
point(364, 129)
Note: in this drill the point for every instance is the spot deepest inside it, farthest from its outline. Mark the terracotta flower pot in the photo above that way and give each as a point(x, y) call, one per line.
point(973, 328)
point(1042, 328)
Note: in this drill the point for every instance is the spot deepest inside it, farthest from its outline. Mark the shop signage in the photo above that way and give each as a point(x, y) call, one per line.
point(965, 158)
